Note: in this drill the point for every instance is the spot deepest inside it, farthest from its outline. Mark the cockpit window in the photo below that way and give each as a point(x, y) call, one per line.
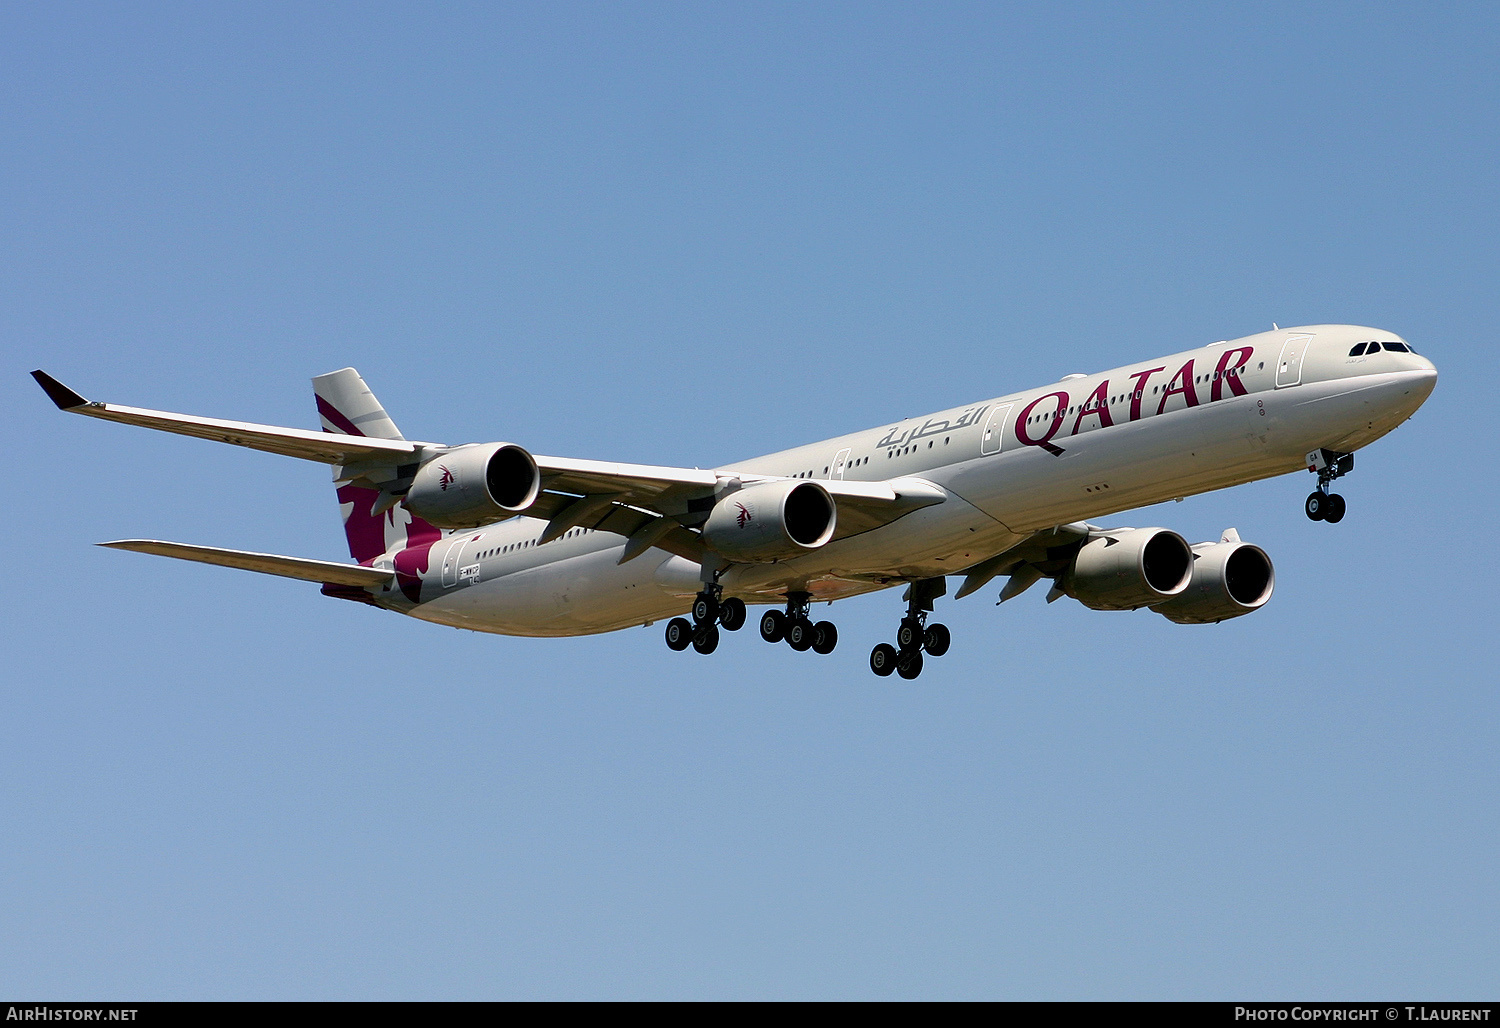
point(1359, 349)
point(1395, 347)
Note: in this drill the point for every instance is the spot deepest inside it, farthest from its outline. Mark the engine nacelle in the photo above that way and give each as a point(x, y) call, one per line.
point(772, 521)
point(1229, 579)
point(1138, 567)
point(474, 485)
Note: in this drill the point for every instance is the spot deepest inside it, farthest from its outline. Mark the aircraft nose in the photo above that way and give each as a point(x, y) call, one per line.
point(1426, 370)
point(1421, 380)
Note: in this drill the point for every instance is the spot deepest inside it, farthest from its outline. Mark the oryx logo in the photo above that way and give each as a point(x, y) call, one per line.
point(446, 479)
point(744, 517)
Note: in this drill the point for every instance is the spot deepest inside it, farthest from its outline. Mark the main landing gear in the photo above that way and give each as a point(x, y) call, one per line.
point(1322, 505)
point(709, 614)
point(914, 634)
point(797, 628)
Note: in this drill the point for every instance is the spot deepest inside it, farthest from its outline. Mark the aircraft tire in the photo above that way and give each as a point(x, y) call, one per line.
point(1315, 506)
point(825, 637)
point(1335, 510)
point(910, 665)
point(937, 640)
point(732, 614)
point(883, 660)
point(800, 634)
point(679, 634)
point(705, 609)
point(909, 635)
point(706, 639)
point(773, 626)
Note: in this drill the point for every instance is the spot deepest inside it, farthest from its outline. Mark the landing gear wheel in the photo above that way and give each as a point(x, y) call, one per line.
point(773, 626)
point(883, 660)
point(679, 634)
point(1333, 511)
point(706, 639)
point(909, 635)
point(799, 634)
point(825, 637)
point(909, 666)
point(937, 640)
point(705, 609)
point(1331, 466)
point(732, 614)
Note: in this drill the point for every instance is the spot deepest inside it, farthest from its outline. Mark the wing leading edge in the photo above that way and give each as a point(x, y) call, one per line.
point(324, 447)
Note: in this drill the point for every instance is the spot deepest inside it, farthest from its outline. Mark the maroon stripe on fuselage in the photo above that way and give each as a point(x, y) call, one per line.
point(412, 562)
point(335, 418)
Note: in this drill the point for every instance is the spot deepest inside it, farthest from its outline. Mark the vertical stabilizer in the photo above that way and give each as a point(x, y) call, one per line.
point(347, 407)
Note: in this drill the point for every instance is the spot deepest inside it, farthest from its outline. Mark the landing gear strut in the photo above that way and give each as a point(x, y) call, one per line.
point(797, 628)
point(914, 634)
point(709, 614)
point(1322, 505)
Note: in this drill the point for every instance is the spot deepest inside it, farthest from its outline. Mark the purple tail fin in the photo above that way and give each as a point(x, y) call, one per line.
point(347, 406)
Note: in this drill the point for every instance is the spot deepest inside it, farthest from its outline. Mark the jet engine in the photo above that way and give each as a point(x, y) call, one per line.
point(771, 521)
point(474, 485)
point(1230, 579)
point(1136, 567)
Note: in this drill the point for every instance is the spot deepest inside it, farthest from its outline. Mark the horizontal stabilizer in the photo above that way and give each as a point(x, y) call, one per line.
point(266, 563)
point(326, 447)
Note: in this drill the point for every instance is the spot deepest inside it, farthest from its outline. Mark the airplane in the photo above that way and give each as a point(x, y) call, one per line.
point(493, 538)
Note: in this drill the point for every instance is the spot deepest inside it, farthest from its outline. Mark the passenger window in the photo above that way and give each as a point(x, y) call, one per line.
point(1358, 351)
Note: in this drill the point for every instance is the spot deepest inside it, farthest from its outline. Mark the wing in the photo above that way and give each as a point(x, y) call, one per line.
point(657, 506)
point(648, 505)
point(1028, 561)
point(305, 568)
point(324, 447)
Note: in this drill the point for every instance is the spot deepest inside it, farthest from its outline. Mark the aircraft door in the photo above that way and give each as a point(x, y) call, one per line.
point(1289, 364)
point(840, 461)
point(994, 429)
point(450, 562)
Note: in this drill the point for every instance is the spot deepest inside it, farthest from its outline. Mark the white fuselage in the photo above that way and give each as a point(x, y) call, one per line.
point(1082, 448)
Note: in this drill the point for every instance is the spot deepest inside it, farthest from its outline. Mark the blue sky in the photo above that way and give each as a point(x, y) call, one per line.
point(686, 234)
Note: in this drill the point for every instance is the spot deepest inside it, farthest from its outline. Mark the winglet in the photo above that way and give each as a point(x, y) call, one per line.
point(60, 394)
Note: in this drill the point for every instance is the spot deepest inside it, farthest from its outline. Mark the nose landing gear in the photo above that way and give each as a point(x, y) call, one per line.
point(1322, 505)
point(914, 634)
point(796, 627)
